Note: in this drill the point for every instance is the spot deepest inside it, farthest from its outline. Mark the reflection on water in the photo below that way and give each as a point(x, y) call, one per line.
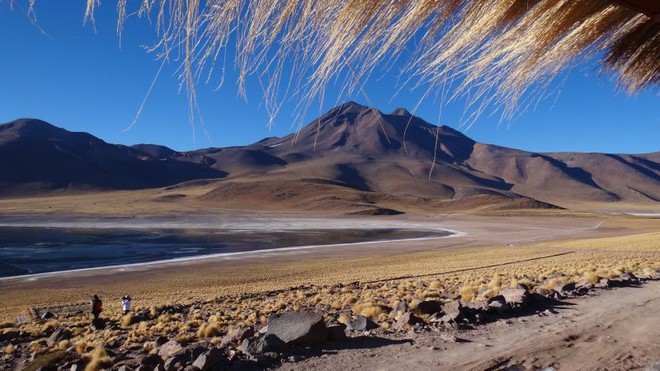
point(25, 250)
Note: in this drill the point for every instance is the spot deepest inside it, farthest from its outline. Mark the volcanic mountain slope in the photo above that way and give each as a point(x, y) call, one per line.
point(400, 154)
point(352, 153)
point(36, 156)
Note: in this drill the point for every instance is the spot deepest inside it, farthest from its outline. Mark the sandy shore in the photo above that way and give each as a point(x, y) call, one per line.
point(185, 281)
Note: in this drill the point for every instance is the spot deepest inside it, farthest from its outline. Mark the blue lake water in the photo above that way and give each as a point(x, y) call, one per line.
point(29, 250)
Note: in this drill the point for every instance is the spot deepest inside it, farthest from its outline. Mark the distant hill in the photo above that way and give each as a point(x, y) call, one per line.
point(36, 156)
point(351, 148)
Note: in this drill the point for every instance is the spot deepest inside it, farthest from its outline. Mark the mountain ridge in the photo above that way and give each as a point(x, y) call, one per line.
point(357, 146)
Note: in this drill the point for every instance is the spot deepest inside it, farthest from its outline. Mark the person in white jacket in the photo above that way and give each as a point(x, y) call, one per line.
point(126, 304)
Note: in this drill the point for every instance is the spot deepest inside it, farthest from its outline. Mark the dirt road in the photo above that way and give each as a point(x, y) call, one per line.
point(615, 329)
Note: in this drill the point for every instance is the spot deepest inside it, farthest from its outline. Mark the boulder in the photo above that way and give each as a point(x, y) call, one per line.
point(151, 360)
point(298, 327)
point(169, 349)
point(360, 323)
point(628, 278)
point(237, 336)
point(406, 321)
point(428, 307)
point(401, 306)
point(337, 332)
point(47, 315)
point(566, 288)
point(454, 311)
point(209, 359)
point(58, 335)
point(515, 297)
point(498, 304)
point(269, 343)
point(603, 283)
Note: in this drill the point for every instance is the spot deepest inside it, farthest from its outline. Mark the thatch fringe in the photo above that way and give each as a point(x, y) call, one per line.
point(497, 50)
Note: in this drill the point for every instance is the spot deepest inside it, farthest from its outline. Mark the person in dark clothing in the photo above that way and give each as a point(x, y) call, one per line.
point(97, 307)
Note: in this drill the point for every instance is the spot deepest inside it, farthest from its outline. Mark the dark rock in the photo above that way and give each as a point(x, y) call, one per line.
point(603, 283)
point(175, 363)
point(566, 288)
point(9, 334)
point(516, 297)
point(628, 278)
point(237, 336)
point(498, 304)
point(428, 307)
point(151, 360)
point(337, 332)
point(47, 315)
point(298, 327)
point(58, 335)
point(268, 343)
point(169, 349)
point(454, 311)
point(209, 359)
point(406, 319)
point(161, 340)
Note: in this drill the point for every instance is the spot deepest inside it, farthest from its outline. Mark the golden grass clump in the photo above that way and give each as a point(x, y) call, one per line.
point(368, 309)
point(98, 360)
point(9, 349)
point(6, 324)
point(127, 320)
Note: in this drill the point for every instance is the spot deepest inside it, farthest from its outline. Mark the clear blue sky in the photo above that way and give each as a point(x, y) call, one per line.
point(80, 79)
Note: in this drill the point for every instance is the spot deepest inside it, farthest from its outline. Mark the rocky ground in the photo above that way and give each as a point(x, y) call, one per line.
point(517, 326)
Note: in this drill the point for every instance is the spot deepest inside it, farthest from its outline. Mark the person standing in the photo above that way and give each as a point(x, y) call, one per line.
point(126, 304)
point(97, 307)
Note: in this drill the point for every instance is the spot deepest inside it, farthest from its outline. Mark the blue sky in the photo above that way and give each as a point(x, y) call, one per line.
point(79, 78)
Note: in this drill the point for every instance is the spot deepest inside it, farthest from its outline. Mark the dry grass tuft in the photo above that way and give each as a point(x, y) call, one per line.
point(99, 360)
point(6, 324)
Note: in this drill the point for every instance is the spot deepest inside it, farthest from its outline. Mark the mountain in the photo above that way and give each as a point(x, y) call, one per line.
point(352, 155)
point(37, 156)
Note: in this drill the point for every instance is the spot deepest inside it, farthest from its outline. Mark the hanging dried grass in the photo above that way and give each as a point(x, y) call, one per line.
point(493, 50)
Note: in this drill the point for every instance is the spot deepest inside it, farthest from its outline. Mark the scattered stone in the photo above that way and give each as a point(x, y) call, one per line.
point(151, 360)
point(448, 337)
point(298, 327)
point(337, 332)
point(47, 315)
point(406, 320)
point(268, 343)
point(122, 368)
point(169, 349)
point(237, 336)
point(209, 359)
point(58, 335)
point(515, 297)
point(401, 306)
point(454, 312)
point(498, 304)
point(628, 278)
point(360, 323)
point(428, 307)
point(566, 288)
point(161, 340)
point(603, 283)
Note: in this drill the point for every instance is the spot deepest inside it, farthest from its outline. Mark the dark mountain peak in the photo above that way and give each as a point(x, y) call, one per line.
point(401, 112)
point(30, 127)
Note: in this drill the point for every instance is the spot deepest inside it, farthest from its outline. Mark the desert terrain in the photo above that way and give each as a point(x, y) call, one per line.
point(490, 251)
point(552, 259)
